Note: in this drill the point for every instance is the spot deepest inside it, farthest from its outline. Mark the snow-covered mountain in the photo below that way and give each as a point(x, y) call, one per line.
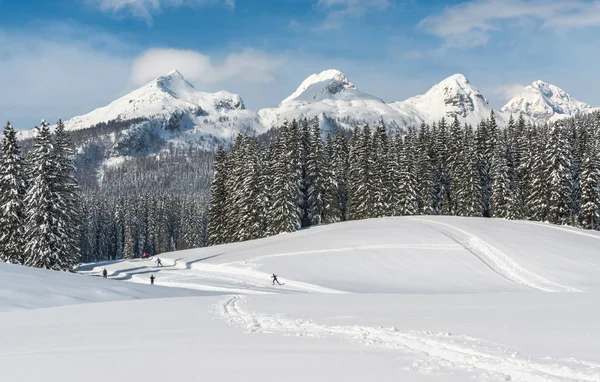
point(544, 101)
point(454, 96)
point(172, 103)
point(331, 94)
point(175, 112)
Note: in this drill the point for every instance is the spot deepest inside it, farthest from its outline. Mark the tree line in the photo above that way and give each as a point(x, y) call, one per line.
point(542, 172)
point(39, 201)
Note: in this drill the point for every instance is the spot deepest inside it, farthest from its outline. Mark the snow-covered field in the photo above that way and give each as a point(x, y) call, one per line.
point(393, 299)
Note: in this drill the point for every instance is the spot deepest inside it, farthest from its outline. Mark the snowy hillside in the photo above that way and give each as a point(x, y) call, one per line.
point(31, 288)
point(410, 299)
point(543, 101)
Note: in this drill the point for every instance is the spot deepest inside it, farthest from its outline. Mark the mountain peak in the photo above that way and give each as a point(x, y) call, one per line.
point(330, 84)
point(454, 96)
point(457, 78)
point(542, 100)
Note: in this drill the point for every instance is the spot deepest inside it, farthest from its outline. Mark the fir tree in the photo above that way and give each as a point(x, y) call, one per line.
point(331, 196)
point(558, 157)
point(314, 175)
point(12, 194)
point(67, 195)
point(43, 234)
point(590, 189)
point(218, 201)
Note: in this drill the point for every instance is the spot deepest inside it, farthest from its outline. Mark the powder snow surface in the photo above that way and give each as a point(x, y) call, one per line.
point(407, 299)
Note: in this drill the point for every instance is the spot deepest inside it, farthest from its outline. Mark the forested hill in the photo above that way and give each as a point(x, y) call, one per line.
point(155, 203)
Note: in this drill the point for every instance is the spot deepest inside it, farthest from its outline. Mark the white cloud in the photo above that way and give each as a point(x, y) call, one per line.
point(508, 91)
point(469, 24)
point(339, 10)
point(248, 66)
point(146, 8)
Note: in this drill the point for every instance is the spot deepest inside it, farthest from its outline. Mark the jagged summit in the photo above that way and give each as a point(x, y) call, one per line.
point(542, 100)
point(453, 96)
point(330, 84)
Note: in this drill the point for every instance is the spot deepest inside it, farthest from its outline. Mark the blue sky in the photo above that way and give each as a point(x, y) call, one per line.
point(62, 58)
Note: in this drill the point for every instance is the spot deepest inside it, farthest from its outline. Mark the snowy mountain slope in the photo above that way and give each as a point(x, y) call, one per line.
point(423, 299)
point(331, 94)
point(178, 108)
point(454, 96)
point(543, 101)
point(328, 85)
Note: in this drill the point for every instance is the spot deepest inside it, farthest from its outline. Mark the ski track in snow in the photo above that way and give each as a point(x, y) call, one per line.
point(446, 247)
point(427, 351)
point(497, 260)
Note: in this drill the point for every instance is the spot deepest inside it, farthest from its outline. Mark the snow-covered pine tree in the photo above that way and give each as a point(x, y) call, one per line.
point(589, 213)
point(560, 176)
point(284, 188)
point(378, 170)
point(441, 170)
point(456, 163)
point(128, 246)
point(67, 195)
point(314, 174)
point(43, 236)
point(468, 194)
point(331, 199)
point(408, 182)
point(341, 166)
point(425, 162)
point(395, 161)
point(12, 194)
point(293, 144)
point(304, 181)
point(500, 198)
point(218, 200)
point(360, 200)
point(487, 136)
point(250, 203)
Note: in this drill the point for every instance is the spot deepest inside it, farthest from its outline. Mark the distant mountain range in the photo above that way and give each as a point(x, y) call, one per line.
point(180, 108)
point(170, 112)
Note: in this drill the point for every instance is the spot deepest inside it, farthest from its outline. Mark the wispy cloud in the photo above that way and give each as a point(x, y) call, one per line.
point(508, 91)
point(144, 9)
point(340, 10)
point(470, 24)
point(249, 66)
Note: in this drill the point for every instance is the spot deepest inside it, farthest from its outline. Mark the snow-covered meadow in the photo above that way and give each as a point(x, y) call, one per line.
point(407, 299)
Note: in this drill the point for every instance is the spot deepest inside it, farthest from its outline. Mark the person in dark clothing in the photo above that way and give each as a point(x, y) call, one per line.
point(104, 273)
point(158, 262)
point(152, 279)
point(274, 277)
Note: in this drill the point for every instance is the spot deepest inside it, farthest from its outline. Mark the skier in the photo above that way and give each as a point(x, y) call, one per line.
point(158, 262)
point(144, 255)
point(274, 277)
point(104, 273)
point(152, 279)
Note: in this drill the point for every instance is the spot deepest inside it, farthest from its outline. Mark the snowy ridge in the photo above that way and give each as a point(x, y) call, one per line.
point(331, 94)
point(543, 101)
